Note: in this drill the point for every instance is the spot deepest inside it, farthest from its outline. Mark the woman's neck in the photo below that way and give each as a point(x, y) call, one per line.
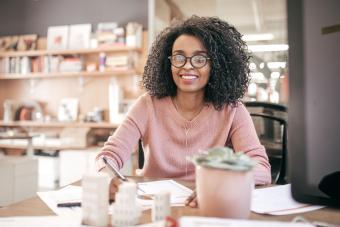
point(188, 105)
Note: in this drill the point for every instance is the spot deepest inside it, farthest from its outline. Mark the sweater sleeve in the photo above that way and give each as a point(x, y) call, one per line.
point(120, 145)
point(244, 138)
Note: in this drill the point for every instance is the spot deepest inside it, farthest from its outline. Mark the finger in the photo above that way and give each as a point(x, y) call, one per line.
point(188, 200)
point(191, 197)
point(116, 181)
point(113, 191)
point(194, 203)
point(113, 188)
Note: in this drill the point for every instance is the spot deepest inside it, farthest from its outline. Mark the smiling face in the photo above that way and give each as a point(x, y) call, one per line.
point(188, 78)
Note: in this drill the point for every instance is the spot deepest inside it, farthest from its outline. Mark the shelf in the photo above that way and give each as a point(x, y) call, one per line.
point(24, 147)
point(67, 74)
point(58, 124)
point(68, 52)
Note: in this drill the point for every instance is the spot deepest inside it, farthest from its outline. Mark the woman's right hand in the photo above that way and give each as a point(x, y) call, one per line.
point(114, 183)
point(192, 200)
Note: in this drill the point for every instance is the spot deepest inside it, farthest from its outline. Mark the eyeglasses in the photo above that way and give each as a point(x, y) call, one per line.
point(197, 61)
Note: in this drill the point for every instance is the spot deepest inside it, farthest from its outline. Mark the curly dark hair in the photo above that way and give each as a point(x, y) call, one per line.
point(229, 75)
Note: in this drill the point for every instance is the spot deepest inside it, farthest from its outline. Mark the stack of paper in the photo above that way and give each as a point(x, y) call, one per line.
point(68, 194)
point(65, 195)
point(179, 193)
point(278, 200)
point(218, 222)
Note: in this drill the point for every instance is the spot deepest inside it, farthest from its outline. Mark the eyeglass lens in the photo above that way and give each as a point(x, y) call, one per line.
point(197, 61)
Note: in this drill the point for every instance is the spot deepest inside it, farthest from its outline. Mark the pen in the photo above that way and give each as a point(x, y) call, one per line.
point(109, 164)
point(70, 204)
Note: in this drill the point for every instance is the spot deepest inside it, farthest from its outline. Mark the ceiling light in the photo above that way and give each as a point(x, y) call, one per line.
point(258, 37)
point(252, 66)
point(266, 48)
point(276, 64)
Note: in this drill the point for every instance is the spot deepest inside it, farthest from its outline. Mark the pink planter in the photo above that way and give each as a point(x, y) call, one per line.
point(224, 193)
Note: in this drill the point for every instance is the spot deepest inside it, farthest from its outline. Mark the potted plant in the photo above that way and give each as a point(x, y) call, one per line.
point(224, 182)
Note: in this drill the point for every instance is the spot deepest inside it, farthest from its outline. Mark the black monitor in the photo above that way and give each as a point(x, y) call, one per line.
point(314, 100)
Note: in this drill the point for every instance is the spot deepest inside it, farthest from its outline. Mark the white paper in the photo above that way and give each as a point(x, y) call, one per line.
point(43, 221)
point(278, 200)
point(65, 195)
point(219, 222)
point(297, 210)
point(179, 193)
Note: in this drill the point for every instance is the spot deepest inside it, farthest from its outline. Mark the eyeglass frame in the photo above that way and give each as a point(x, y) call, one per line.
point(186, 60)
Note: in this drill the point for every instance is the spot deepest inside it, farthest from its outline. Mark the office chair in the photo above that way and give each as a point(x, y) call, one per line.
point(271, 126)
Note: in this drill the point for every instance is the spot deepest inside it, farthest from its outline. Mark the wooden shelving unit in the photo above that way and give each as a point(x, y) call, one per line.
point(53, 86)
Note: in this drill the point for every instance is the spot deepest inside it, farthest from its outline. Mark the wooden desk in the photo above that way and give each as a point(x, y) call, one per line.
point(36, 207)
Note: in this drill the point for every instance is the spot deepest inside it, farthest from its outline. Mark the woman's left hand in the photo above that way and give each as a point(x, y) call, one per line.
point(192, 200)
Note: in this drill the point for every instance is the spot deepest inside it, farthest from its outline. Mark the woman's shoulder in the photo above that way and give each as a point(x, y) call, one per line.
point(151, 101)
point(231, 111)
point(144, 97)
point(234, 107)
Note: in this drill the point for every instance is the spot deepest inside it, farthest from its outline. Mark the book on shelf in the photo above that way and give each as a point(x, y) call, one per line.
point(71, 64)
point(68, 61)
point(41, 64)
point(53, 63)
point(117, 62)
point(109, 33)
point(35, 62)
point(106, 27)
point(25, 65)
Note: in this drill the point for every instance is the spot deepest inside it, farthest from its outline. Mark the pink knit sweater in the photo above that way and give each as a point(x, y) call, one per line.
point(168, 138)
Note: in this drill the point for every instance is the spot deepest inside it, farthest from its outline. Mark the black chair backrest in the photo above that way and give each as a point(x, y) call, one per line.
point(267, 105)
point(140, 155)
point(276, 148)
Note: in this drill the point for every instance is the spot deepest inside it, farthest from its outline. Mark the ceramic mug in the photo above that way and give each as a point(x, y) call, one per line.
point(224, 193)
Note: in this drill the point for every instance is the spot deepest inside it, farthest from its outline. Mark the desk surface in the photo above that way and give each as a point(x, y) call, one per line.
point(36, 207)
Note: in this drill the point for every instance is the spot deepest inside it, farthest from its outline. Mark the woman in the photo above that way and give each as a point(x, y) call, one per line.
point(196, 73)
